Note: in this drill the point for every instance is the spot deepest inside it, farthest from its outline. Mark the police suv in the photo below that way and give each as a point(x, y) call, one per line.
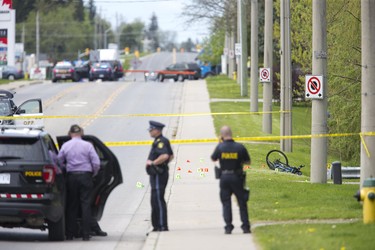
point(32, 186)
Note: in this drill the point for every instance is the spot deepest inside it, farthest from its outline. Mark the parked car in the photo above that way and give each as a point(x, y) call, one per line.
point(180, 72)
point(64, 71)
point(101, 70)
point(32, 185)
point(117, 67)
point(83, 71)
point(11, 72)
point(30, 107)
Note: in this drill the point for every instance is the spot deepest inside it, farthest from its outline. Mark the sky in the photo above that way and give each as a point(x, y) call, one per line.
point(168, 13)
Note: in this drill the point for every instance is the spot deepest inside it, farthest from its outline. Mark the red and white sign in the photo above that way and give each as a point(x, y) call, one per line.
point(265, 74)
point(314, 87)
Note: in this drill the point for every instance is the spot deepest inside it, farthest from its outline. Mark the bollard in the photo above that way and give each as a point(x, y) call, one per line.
point(336, 172)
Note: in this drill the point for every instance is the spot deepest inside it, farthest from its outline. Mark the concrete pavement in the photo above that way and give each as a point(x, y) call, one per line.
point(12, 86)
point(194, 207)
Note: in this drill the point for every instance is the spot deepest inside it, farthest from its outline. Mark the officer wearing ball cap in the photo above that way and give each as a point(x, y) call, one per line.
point(82, 163)
point(157, 167)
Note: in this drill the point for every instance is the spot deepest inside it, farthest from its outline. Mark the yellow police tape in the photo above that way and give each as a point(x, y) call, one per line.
point(134, 115)
point(241, 139)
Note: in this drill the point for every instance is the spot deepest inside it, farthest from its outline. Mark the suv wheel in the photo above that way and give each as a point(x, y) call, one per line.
point(56, 230)
point(11, 77)
point(180, 78)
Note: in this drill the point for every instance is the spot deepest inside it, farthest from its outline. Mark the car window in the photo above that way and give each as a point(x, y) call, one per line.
point(52, 151)
point(31, 107)
point(4, 107)
point(29, 149)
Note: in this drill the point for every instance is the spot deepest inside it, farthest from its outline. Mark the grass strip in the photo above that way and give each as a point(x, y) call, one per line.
point(310, 215)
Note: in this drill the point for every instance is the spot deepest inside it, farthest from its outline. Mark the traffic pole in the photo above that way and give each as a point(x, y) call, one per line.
point(254, 79)
point(243, 40)
point(368, 90)
point(285, 78)
point(268, 63)
point(319, 145)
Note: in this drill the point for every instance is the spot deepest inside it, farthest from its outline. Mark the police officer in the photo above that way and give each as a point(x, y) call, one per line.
point(82, 163)
point(232, 156)
point(157, 167)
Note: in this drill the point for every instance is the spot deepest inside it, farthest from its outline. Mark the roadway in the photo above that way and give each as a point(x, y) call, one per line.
point(127, 212)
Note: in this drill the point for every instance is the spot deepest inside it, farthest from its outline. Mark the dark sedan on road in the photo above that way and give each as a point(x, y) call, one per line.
point(101, 70)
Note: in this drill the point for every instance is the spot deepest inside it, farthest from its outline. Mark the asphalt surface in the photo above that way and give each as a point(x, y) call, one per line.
point(194, 207)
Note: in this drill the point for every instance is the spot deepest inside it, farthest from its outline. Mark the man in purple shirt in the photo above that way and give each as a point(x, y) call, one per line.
point(81, 162)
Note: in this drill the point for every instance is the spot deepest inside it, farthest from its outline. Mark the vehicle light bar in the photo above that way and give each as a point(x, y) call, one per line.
point(22, 196)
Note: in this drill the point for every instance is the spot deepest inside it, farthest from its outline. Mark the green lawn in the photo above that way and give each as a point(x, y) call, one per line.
point(303, 211)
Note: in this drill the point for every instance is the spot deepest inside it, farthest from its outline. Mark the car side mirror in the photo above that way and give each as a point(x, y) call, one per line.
point(21, 111)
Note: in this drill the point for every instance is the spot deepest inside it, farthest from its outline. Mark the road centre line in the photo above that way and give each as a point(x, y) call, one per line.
point(103, 108)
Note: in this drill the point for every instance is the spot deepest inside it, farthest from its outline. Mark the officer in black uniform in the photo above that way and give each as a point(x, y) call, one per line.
point(157, 167)
point(232, 156)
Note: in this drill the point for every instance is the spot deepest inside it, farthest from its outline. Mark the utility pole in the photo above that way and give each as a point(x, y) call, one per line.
point(268, 63)
point(319, 126)
point(368, 90)
point(286, 79)
point(37, 39)
point(243, 40)
point(95, 32)
point(254, 76)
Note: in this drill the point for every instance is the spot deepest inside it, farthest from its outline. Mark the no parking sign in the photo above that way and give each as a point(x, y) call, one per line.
point(264, 74)
point(314, 87)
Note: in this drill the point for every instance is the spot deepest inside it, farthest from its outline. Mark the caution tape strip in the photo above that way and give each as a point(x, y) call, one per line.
point(135, 115)
point(242, 139)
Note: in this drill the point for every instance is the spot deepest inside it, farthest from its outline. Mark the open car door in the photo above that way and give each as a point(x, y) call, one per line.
point(32, 113)
point(109, 175)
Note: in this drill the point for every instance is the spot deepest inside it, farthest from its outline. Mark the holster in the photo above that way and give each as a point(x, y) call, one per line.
point(217, 172)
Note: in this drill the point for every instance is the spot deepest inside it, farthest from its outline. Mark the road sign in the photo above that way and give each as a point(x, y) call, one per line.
point(231, 54)
point(237, 49)
point(265, 74)
point(314, 87)
point(225, 51)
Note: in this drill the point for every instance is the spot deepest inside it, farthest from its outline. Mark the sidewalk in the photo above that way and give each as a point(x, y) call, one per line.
point(194, 207)
point(12, 86)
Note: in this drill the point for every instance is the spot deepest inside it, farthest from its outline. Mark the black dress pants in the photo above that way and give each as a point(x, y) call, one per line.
point(79, 187)
point(158, 205)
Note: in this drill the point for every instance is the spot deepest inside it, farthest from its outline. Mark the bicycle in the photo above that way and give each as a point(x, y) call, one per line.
point(278, 161)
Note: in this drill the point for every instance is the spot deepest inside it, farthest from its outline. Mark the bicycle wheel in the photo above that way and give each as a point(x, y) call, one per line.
point(276, 156)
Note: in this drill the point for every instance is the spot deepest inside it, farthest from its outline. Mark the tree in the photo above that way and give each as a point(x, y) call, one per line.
point(79, 14)
point(152, 33)
point(344, 68)
point(92, 11)
point(132, 35)
point(23, 8)
point(188, 46)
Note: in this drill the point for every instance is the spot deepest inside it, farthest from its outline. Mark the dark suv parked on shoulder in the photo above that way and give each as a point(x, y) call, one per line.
point(32, 186)
point(180, 72)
